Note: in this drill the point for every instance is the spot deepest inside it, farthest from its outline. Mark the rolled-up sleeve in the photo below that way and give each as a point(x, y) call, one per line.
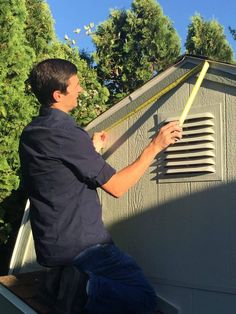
point(78, 152)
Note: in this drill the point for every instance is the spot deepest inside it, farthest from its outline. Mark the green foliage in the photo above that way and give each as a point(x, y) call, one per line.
point(15, 61)
point(39, 28)
point(207, 38)
point(27, 36)
point(132, 45)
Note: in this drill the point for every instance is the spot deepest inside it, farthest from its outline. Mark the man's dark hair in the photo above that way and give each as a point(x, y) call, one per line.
point(48, 76)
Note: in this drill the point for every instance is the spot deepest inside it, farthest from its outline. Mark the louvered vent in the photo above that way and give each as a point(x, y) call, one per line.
point(195, 153)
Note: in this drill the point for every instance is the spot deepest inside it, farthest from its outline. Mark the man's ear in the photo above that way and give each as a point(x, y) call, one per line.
point(57, 95)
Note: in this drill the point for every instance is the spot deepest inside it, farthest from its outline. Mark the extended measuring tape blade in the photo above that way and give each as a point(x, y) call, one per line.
point(193, 93)
point(158, 95)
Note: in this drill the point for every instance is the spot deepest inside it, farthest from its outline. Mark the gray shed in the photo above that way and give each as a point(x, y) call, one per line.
point(179, 220)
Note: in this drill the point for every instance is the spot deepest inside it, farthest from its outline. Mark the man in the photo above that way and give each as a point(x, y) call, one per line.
point(62, 170)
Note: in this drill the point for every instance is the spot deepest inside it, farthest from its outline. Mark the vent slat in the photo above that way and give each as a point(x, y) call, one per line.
point(199, 138)
point(207, 153)
point(207, 169)
point(198, 131)
point(194, 124)
point(202, 116)
point(176, 148)
point(203, 161)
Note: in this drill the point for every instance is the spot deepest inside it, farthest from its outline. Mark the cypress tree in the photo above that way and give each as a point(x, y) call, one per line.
point(132, 45)
point(27, 36)
point(15, 61)
point(207, 38)
point(39, 28)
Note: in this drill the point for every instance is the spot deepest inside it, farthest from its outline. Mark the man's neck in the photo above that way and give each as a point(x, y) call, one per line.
point(59, 107)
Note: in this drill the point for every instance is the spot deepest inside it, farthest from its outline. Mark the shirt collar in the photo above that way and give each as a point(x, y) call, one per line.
point(56, 113)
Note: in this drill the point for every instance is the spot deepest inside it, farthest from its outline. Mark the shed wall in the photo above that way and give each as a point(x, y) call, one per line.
point(182, 234)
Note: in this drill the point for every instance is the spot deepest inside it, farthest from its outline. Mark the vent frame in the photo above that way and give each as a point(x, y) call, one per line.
point(173, 165)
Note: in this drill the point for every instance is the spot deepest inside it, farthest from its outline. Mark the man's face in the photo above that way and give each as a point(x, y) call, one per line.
point(73, 91)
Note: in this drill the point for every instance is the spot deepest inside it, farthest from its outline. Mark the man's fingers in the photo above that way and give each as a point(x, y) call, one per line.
point(170, 125)
point(169, 134)
point(176, 134)
point(170, 128)
point(104, 136)
point(173, 131)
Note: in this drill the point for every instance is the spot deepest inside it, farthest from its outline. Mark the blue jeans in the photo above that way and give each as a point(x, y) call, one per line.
point(117, 285)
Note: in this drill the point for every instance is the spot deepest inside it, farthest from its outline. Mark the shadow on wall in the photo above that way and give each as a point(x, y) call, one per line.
point(189, 241)
point(187, 248)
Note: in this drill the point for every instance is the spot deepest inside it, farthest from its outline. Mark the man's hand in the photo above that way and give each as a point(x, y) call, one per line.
point(99, 140)
point(167, 135)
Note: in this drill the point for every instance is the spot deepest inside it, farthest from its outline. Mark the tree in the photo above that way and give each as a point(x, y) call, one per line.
point(131, 45)
point(207, 38)
point(15, 61)
point(27, 36)
point(39, 28)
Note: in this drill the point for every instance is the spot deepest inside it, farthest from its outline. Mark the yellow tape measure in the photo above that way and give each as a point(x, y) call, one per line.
point(194, 93)
point(163, 92)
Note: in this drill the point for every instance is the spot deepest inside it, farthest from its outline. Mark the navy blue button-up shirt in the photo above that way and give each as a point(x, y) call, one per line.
point(61, 171)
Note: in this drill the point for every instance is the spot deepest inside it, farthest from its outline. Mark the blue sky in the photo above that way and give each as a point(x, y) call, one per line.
point(71, 14)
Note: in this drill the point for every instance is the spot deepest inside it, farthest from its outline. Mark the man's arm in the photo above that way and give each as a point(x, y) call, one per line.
point(124, 179)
